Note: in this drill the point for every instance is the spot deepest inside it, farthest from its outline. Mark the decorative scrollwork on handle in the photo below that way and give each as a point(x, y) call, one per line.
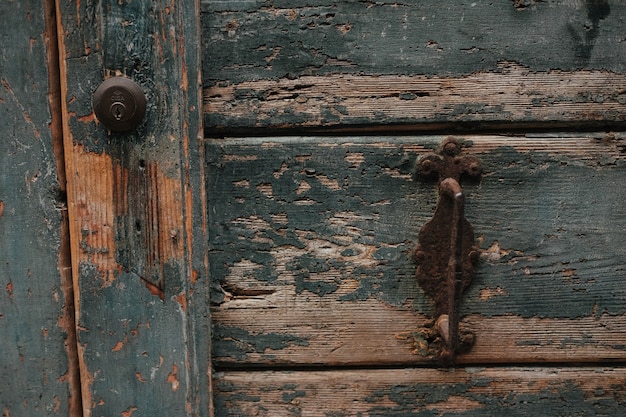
point(447, 253)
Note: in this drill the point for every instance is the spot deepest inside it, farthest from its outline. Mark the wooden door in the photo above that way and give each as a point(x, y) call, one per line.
point(262, 264)
point(37, 345)
point(136, 209)
point(316, 115)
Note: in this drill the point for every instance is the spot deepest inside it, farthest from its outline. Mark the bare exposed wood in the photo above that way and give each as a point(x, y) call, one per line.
point(512, 96)
point(469, 391)
point(136, 206)
point(68, 321)
point(311, 242)
point(260, 333)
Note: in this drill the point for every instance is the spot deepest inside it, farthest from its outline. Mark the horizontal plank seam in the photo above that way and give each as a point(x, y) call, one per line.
point(496, 365)
point(425, 129)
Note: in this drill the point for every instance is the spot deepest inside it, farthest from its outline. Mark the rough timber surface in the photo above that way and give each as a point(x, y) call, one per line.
point(489, 392)
point(135, 202)
point(34, 364)
point(431, 63)
point(311, 239)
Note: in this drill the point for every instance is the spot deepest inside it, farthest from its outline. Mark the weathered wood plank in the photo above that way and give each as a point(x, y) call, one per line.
point(136, 209)
point(311, 240)
point(36, 322)
point(424, 392)
point(509, 96)
point(426, 64)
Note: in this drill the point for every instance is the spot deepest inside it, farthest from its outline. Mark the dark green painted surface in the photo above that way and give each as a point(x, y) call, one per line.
point(135, 349)
point(250, 40)
point(555, 218)
point(33, 360)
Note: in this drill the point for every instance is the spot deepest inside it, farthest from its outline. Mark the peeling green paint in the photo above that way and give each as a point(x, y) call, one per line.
point(324, 223)
point(507, 391)
point(238, 343)
point(433, 37)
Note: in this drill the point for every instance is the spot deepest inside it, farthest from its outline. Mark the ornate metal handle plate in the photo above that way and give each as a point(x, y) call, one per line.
point(447, 253)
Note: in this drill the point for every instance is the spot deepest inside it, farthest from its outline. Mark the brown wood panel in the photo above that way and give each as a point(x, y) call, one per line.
point(38, 361)
point(311, 240)
point(428, 392)
point(510, 96)
point(422, 65)
point(136, 205)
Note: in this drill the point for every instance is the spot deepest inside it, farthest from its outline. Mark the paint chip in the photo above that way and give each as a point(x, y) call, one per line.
point(172, 378)
point(494, 252)
point(487, 293)
point(129, 412)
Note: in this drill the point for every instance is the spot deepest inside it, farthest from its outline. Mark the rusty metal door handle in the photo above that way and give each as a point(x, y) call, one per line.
point(447, 253)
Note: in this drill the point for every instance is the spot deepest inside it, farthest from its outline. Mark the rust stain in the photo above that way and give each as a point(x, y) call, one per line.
point(172, 378)
point(154, 290)
point(88, 118)
point(129, 412)
point(182, 300)
point(447, 252)
point(9, 289)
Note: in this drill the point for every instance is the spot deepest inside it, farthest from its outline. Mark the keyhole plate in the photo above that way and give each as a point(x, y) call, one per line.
point(119, 104)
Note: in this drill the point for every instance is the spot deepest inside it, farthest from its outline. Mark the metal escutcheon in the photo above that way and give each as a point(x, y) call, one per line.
point(119, 104)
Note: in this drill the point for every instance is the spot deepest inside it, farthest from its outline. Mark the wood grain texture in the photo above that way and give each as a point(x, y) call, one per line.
point(35, 323)
point(511, 96)
point(424, 392)
point(136, 209)
point(311, 240)
point(424, 65)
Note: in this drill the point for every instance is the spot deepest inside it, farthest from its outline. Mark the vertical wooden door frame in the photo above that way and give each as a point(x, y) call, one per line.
point(136, 202)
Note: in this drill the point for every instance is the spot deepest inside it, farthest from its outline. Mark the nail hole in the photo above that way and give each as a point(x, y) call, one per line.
point(142, 163)
point(138, 226)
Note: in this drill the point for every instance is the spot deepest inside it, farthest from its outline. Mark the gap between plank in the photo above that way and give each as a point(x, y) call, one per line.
point(65, 258)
